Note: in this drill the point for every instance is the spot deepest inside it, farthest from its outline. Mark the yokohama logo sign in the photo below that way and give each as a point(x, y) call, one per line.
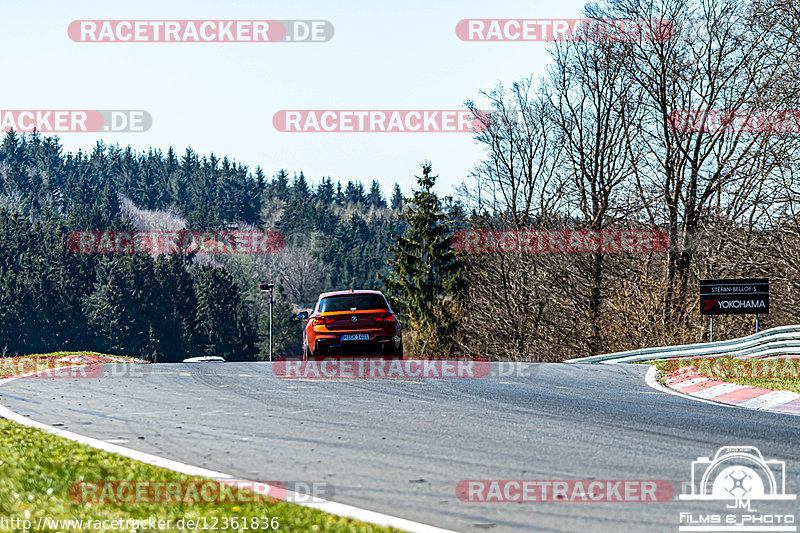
point(734, 296)
point(737, 304)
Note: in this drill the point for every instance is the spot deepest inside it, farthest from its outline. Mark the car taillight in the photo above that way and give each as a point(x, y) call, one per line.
point(327, 320)
point(388, 317)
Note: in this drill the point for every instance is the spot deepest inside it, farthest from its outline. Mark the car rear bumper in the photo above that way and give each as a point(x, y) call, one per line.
point(376, 346)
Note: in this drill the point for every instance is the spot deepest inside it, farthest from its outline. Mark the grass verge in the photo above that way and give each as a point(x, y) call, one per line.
point(22, 364)
point(776, 374)
point(37, 470)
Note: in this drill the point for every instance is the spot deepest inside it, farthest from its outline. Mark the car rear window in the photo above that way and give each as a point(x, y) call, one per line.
point(347, 302)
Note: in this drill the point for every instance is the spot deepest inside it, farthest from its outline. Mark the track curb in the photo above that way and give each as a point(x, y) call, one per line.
point(690, 383)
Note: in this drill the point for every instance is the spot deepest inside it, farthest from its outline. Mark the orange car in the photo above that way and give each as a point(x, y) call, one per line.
point(351, 322)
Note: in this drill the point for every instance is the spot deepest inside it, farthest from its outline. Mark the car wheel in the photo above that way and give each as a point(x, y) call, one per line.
point(306, 353)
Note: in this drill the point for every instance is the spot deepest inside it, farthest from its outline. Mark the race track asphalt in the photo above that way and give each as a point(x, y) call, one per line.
point(400, 447)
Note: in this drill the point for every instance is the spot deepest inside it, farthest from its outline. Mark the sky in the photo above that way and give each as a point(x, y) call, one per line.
point(221, 97)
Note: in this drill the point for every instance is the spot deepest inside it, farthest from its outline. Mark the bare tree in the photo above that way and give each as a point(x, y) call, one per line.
point(641, 130)
point(151, 219)
point(596, 114)
point(713, 59)
point(518, 175)
point(300, 274)
point(516, 187)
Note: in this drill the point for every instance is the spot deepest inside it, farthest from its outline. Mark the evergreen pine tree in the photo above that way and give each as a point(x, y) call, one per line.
point(279, 187)
point(300, 190)
point(375, 197)
point(325, 191)
point(339, 199)
point(222, 322)
point(354, 192)
point(174, 326)
point(426, 278)
point(121, 307)
point(397, 198)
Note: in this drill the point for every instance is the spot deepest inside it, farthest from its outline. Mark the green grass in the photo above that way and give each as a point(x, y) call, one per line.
point(776, 384)
point(37, 470)
point(776, 374)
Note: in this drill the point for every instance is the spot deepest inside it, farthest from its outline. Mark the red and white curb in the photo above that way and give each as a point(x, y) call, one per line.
point(689, 381)
point(326, 506)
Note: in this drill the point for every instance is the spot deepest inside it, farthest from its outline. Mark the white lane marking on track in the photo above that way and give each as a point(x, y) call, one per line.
point(326, 506)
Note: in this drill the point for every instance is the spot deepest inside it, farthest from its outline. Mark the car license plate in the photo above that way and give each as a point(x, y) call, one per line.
point(356, 337)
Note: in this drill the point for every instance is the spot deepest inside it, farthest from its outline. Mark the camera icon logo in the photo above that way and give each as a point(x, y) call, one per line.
point(738, 473)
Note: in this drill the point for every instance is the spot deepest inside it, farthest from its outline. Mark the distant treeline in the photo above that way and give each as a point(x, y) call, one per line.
point(169, 307)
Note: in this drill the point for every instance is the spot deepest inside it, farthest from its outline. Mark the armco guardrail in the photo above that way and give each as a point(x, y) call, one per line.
point(783, 340)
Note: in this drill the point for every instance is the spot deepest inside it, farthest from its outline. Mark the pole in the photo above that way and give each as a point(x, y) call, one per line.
point(711, 339)
point(270, 325)
point(756, 322)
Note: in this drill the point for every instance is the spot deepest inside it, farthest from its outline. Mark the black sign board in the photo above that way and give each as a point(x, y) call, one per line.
point(734, 296)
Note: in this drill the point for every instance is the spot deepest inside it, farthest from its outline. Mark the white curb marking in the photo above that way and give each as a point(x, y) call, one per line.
point(771, 399)
point(717, 390)
point(651, 378)
point(689, 383)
